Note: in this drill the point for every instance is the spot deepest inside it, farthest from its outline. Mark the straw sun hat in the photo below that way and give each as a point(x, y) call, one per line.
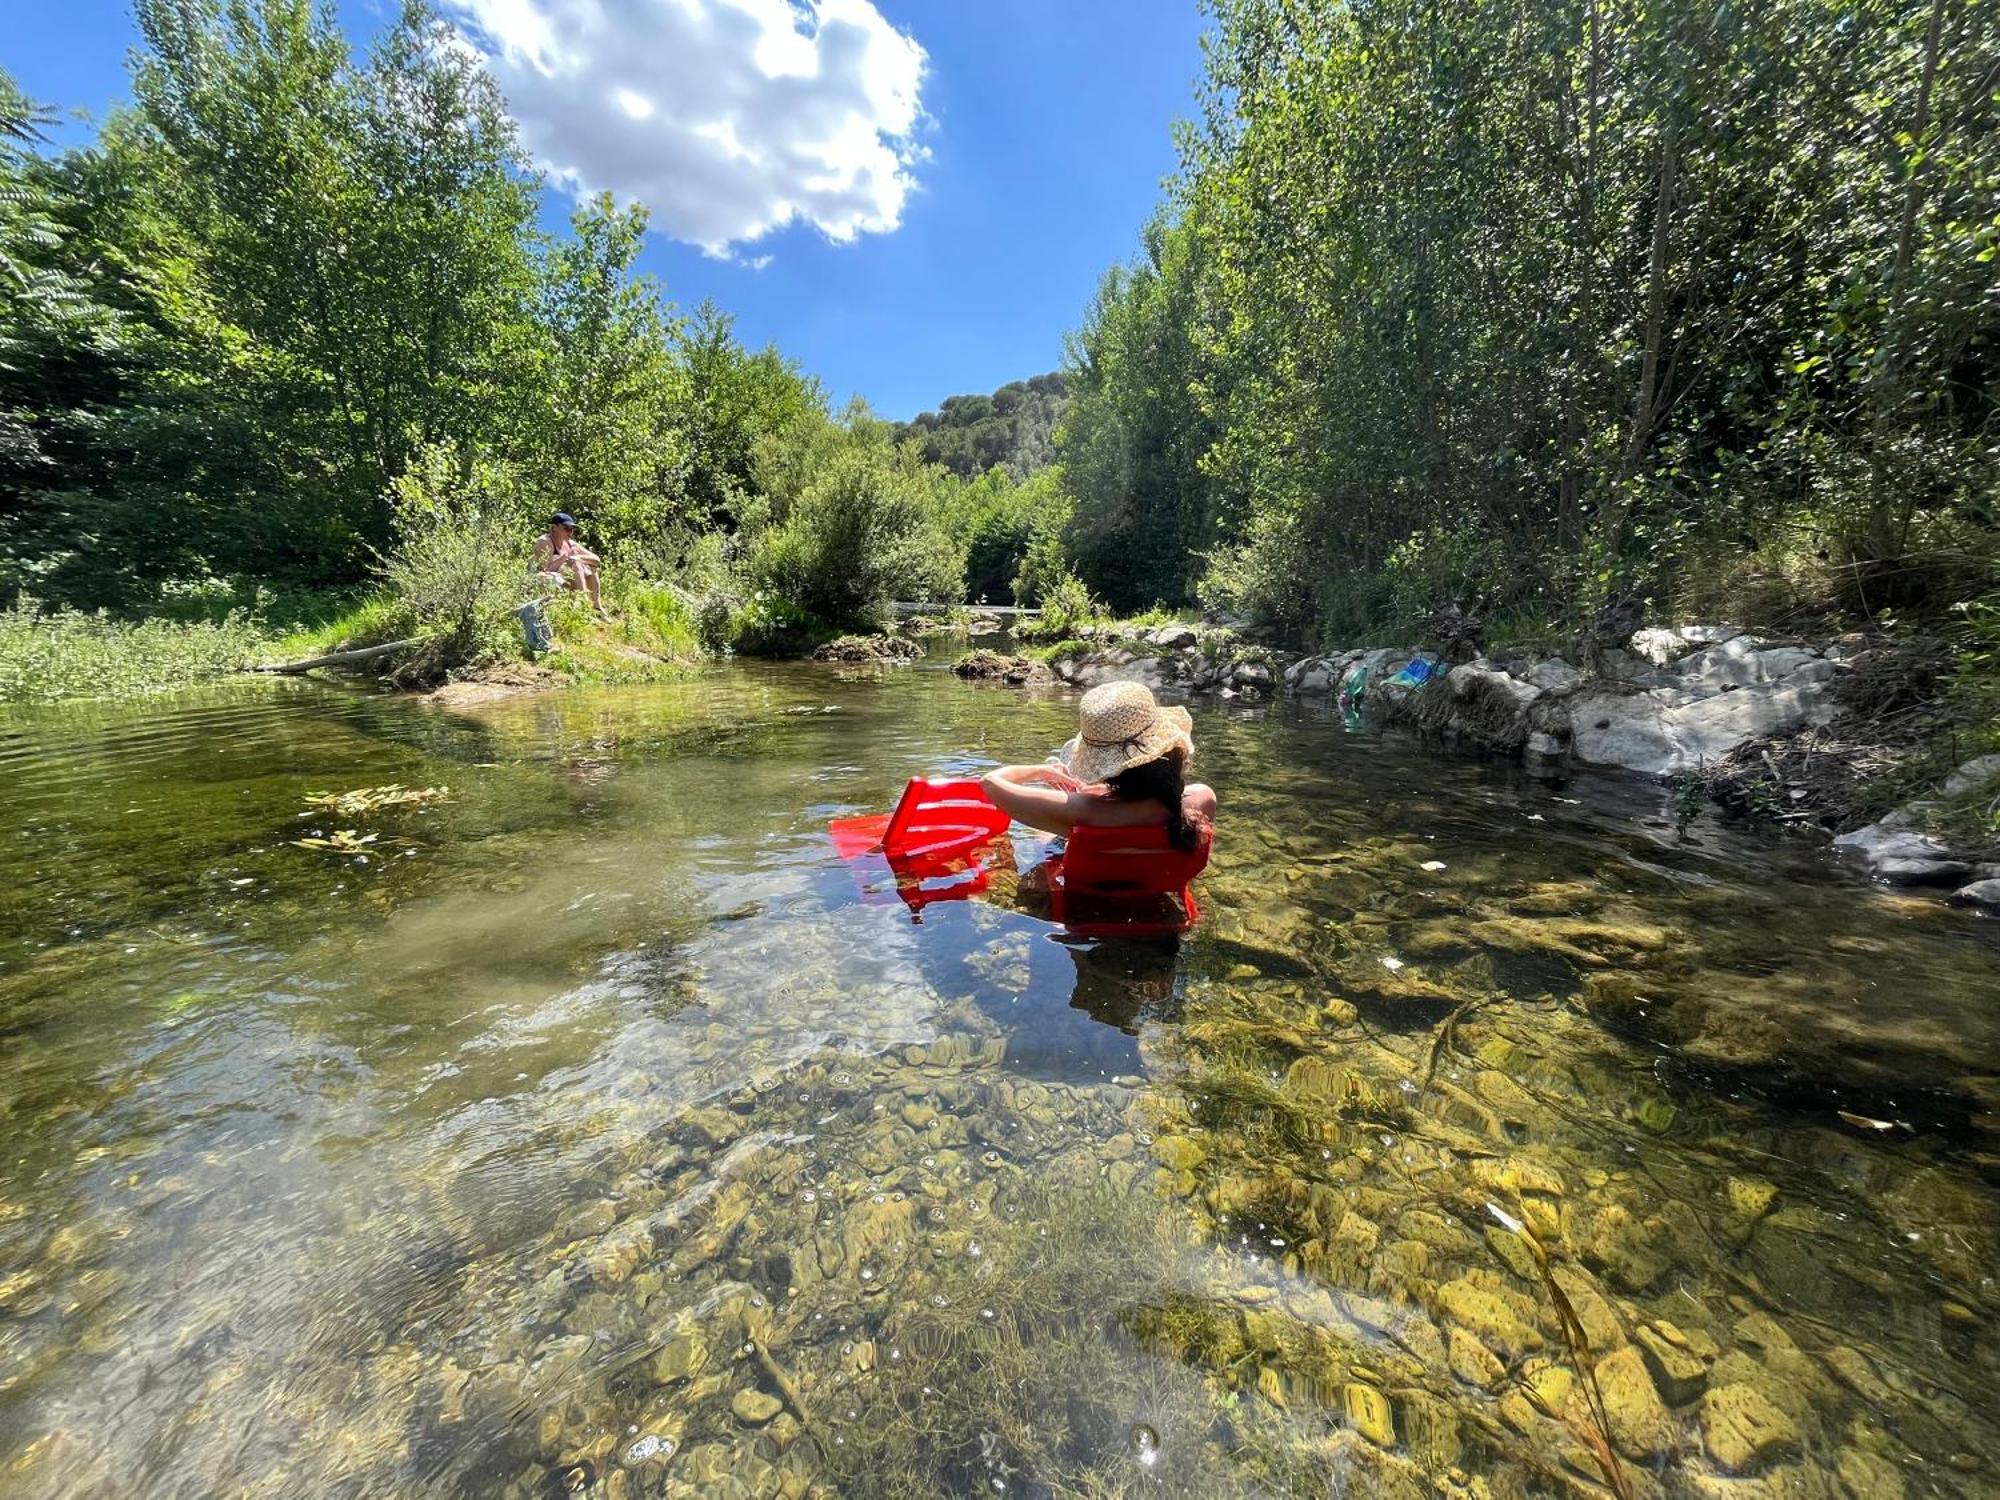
point(1121, 727)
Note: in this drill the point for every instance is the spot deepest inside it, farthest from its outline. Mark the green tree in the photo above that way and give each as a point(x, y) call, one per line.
point(852, 520)
point(1135, 431)
point(603, 438)
point(735, 399)
point(368, 224)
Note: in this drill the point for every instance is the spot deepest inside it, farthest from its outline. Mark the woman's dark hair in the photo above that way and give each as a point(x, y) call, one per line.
point(1164, 781)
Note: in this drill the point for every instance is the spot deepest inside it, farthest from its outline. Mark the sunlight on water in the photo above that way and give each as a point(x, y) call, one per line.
point(595, 1130)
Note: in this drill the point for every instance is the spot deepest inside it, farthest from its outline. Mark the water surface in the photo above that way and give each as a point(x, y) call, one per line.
point(595, 1130)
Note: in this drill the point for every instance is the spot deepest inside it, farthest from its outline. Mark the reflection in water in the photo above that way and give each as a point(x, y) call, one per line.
point(595, 1128)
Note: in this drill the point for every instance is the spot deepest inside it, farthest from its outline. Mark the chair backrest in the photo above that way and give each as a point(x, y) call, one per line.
point(1130, 862)
point(936, 817)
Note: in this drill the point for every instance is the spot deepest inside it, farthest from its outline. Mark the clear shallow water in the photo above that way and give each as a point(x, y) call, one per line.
point(599, 1132)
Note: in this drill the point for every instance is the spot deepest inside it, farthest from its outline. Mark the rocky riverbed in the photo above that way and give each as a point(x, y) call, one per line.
point(1481, 1141)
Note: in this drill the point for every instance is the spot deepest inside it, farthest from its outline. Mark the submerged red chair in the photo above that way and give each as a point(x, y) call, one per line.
point(1107, 880)
point(930, 842)
point(1114, 873)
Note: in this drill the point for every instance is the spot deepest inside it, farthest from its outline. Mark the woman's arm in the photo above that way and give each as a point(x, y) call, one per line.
point(1043, 797)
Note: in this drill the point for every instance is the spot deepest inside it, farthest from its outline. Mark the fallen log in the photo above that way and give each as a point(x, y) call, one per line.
point(339, 658)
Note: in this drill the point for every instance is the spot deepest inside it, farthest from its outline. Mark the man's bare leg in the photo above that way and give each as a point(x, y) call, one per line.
point(586, 577)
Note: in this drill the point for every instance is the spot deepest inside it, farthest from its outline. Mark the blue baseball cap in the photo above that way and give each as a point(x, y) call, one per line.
point(563, 518)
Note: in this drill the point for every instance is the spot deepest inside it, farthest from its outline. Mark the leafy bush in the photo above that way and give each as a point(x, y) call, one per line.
point(766, 624)
point(46, 657)
point(1440, 565)
point(458, 572)
point(1066, 606)
point(864, 530)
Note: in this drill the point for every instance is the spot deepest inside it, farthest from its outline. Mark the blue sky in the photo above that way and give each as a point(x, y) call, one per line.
point(1015, 160)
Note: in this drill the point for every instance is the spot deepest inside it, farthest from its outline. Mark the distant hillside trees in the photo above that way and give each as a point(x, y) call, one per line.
point(1012, 429)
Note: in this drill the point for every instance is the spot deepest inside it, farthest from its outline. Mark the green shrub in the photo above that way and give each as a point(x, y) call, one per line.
point(1066, 606)
point(651, 617)
point(47, 657)
point(459, 568)
point(864, 530)
point(767, 625)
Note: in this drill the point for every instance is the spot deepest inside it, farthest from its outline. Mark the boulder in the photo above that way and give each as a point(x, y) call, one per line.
point(1658, 646)
point(1783, 661)
point(1482, 678)
point(1921, 871)
point(1984, 893)
point(1733, 663)
point(1553, 675)
point(1315, 677)
point(1892, 837)
point(1172, 637)
point(1649, 733)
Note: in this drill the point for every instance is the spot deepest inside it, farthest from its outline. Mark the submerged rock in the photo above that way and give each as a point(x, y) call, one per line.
point(754, 1408)
point(1742, 1430)
point(1641, 1425)
point(1369, 1413)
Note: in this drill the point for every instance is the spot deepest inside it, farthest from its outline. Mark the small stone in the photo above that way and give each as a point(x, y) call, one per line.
point(1512, 1249)
point(919, 1116)
point(680, 1358)
point(1641, 1425)
point(1867, 1476)
point(1852, 1366)
point(754, 1408)
point(1177, 1153)
point(1742, 1430)
point(1369, 1413)
point(1679, 1373)
point(1750, 1197)
point(1473, 1362)
point(1488, 1315)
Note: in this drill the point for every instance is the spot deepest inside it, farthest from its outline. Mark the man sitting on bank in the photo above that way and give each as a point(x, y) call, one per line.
point(563, 561)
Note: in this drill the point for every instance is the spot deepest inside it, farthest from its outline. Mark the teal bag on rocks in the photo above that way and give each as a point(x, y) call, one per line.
point(1352, 690)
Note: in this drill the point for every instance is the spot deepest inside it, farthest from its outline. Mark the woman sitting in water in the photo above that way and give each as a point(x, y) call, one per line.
point(1126, 768)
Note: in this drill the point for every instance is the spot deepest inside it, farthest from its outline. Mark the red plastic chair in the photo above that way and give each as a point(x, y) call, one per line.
point(931, 841)
point(1116, 870)
point(932, 819)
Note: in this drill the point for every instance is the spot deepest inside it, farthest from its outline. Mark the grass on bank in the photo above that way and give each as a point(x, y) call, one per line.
point(48, 658)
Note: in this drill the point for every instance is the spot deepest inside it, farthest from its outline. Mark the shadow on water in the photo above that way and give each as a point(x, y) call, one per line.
point(590, 1124)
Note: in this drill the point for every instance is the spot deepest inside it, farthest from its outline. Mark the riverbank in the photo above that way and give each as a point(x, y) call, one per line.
point(1852, 735)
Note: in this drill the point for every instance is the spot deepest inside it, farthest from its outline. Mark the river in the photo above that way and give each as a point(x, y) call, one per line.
point(589, 1127)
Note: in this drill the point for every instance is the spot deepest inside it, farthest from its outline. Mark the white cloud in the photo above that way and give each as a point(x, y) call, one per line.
point(728, 118)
